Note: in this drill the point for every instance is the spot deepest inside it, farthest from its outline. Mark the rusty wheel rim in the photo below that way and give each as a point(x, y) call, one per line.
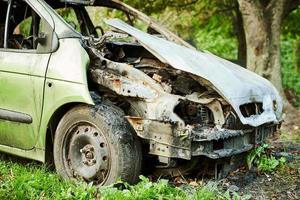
point(87, 153)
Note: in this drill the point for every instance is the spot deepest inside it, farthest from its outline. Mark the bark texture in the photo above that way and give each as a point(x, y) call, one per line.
point(297, 56)
point(262, 24)
point(240, 32)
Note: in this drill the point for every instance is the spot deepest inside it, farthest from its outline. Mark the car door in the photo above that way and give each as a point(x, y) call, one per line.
point(24, 58)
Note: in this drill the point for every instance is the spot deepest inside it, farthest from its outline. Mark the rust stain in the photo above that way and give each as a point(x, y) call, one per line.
point(116, 84)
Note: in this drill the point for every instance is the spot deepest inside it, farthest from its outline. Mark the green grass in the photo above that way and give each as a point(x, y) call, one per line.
point(33, 181)
point(263, 161)
point(290, 136)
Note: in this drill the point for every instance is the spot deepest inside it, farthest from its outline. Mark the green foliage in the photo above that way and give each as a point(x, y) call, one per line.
point(25, 27)
point(208, 192)
point(205, 26)
point(264, 162)
point(98, 16)
point(235, 196)
point(69, 16)
point(33, 182)
point(268, 164)
point(217, 38)
point(145, 189)
point(289, 56)
point(291, 24)
point(254, 154)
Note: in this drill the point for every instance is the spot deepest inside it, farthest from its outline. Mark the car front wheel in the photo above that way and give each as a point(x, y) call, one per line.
point(96, 144)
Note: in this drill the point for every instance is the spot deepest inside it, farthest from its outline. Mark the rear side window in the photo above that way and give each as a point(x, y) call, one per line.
point(3, 10)
point(24, 29)
point(24, 26)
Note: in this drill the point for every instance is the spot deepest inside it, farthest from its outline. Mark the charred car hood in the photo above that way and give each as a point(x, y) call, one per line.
point(237, 85)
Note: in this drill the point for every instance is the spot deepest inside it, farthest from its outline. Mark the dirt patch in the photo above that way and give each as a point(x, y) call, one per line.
point(290, 129)
point(283, 183)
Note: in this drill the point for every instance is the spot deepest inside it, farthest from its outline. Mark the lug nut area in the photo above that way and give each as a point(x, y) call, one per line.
point(87, 155)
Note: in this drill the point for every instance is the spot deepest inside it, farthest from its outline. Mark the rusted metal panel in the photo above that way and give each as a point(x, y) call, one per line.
point(165, 139)
point(170, 140)
point(122, 85)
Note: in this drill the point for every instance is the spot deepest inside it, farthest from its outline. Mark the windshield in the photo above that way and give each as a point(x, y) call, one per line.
point(99, 15)
point(90, 19)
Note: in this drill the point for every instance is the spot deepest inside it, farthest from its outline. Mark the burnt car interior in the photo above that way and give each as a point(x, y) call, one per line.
point(23, 26)
point(3, 9)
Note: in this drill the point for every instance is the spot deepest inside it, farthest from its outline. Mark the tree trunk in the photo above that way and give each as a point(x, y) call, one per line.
point(262, 25)
point(297, 56)
point(240, 33)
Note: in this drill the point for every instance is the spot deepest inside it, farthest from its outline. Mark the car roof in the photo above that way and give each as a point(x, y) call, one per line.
point(78, 1)
point(59, 3)
point(63, 2)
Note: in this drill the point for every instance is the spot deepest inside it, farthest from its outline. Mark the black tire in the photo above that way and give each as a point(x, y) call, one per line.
point(97, 144)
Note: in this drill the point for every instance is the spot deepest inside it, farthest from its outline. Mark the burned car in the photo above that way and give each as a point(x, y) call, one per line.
point(99, 103)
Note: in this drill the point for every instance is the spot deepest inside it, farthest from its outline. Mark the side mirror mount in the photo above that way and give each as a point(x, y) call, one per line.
point(47, 40)
point(41, 39)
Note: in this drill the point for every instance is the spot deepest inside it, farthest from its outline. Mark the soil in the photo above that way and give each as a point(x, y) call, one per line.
point(291, 126)
point(284, 183)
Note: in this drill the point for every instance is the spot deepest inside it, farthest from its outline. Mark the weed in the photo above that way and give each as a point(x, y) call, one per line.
point(264, 162)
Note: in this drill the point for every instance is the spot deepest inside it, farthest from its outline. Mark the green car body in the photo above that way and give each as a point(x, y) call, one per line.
point(37, 85)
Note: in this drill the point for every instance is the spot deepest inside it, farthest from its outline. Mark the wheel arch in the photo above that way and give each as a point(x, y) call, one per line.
point(52, 126)
point(47, 136)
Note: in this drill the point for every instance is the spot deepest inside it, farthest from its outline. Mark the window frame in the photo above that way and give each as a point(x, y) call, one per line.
point(6, 30)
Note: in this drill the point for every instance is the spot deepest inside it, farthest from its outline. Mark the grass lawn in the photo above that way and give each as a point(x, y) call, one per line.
point(33, 181)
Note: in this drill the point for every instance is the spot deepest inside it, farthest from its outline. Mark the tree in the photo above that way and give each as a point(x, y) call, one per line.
point(262, 21)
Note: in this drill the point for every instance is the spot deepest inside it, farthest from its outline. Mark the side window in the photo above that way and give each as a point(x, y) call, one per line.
point(3, 10)
point(23, 26)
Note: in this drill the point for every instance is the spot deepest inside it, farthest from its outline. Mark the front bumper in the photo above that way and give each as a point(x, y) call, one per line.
point(168, 140)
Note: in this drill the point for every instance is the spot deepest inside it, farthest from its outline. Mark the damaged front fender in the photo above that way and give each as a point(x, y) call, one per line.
point(236, 84)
